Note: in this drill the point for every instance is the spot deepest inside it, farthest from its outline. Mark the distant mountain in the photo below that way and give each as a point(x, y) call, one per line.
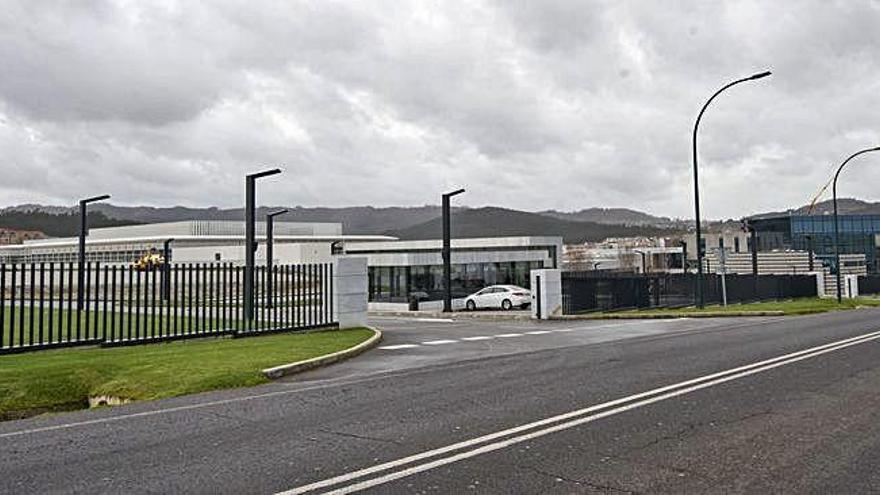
point(495, 222)
point(613, 216)
point(62, 224)
point(355, 220)
point(845, 206)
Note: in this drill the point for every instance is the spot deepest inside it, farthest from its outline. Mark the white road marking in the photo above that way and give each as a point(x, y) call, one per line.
point(439, 342)
point(538, 332)
point(565, 330)
point(477, 337)
point(508, 335)
point(400, 346)
point(436, 320)
point(564, 421)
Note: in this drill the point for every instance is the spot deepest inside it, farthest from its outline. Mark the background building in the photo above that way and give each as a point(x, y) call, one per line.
point(398, 269)
point(858, 235)
point(629, 254)
point(194, 242)
point(734, 240)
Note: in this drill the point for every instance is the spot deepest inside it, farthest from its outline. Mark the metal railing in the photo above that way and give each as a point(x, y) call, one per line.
point(122, 305)
point(597, 291)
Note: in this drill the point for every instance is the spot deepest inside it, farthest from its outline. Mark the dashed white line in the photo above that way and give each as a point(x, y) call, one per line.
point(508, 335)
point(400, 346)
point(477, 337)
point(538, 332)
point(439, 342)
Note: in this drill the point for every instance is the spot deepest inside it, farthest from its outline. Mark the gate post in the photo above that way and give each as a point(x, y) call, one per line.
point(546, 288)
point(350, 291)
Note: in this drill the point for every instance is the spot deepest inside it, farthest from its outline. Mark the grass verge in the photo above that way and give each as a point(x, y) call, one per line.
point(788, 307)
point(61, 380)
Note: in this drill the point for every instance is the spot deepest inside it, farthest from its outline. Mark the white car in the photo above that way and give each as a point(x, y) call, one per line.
point(499, 296)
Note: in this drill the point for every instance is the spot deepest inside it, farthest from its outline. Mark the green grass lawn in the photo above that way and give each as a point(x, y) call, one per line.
point(64, 379)
point(788, 307)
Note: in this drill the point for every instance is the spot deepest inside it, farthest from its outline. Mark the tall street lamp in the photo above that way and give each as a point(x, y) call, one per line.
point(83, 232)
point(250, 243)
point(270, 251)
point(699, 281)
point(836, 228)
point(447, 252)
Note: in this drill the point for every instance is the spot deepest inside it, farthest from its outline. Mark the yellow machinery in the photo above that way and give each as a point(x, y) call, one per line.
point(150, 260)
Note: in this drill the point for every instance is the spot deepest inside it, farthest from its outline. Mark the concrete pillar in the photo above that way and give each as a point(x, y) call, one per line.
point(546, 293)
point(820, 283)
point(350, 291)
point(850, 286)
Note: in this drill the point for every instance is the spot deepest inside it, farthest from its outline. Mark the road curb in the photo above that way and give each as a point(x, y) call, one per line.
point(317, 362)
point(669, 316)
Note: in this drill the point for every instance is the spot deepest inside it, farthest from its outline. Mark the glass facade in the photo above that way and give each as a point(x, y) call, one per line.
point(816, 233)
point(397, 283)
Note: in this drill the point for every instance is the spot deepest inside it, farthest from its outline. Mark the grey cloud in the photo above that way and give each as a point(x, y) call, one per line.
point(562, 104)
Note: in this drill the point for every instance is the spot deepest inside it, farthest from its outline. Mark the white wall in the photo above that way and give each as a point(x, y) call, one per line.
point(304, 252)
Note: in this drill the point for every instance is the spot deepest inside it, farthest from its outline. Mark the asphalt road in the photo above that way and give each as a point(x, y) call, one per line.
point(700, 406)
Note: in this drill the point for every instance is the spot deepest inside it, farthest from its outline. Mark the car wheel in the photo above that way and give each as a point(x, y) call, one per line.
point(470, 305)
point(506, 304)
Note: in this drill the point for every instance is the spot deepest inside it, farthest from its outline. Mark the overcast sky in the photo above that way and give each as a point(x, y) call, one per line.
point(530, 105)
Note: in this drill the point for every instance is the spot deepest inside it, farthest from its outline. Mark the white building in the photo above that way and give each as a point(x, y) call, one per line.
point(634, 254)
point(194, 241)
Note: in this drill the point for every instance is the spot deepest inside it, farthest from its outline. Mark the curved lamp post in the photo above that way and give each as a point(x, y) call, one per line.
point(81, 254)
point(447, 250)
point(699, 282)
point(250, 243)
point(270, 254)
point(836, 229)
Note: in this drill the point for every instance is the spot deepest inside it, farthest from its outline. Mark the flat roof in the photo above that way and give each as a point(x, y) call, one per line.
point(461, 243)
point(202, 239)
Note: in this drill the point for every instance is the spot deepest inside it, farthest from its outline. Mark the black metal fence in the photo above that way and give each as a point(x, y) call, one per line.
point(869, 284)
point(40, 308)
point(597, 291)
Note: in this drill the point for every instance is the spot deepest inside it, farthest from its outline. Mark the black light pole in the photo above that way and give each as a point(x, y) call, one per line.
point(753, 241)
point(166, 269)
point(836, 229)
point(447, 252)
point(699, 281)
point(250, 243)
point(270, 251)
point(810, 251)
point(83, 232)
